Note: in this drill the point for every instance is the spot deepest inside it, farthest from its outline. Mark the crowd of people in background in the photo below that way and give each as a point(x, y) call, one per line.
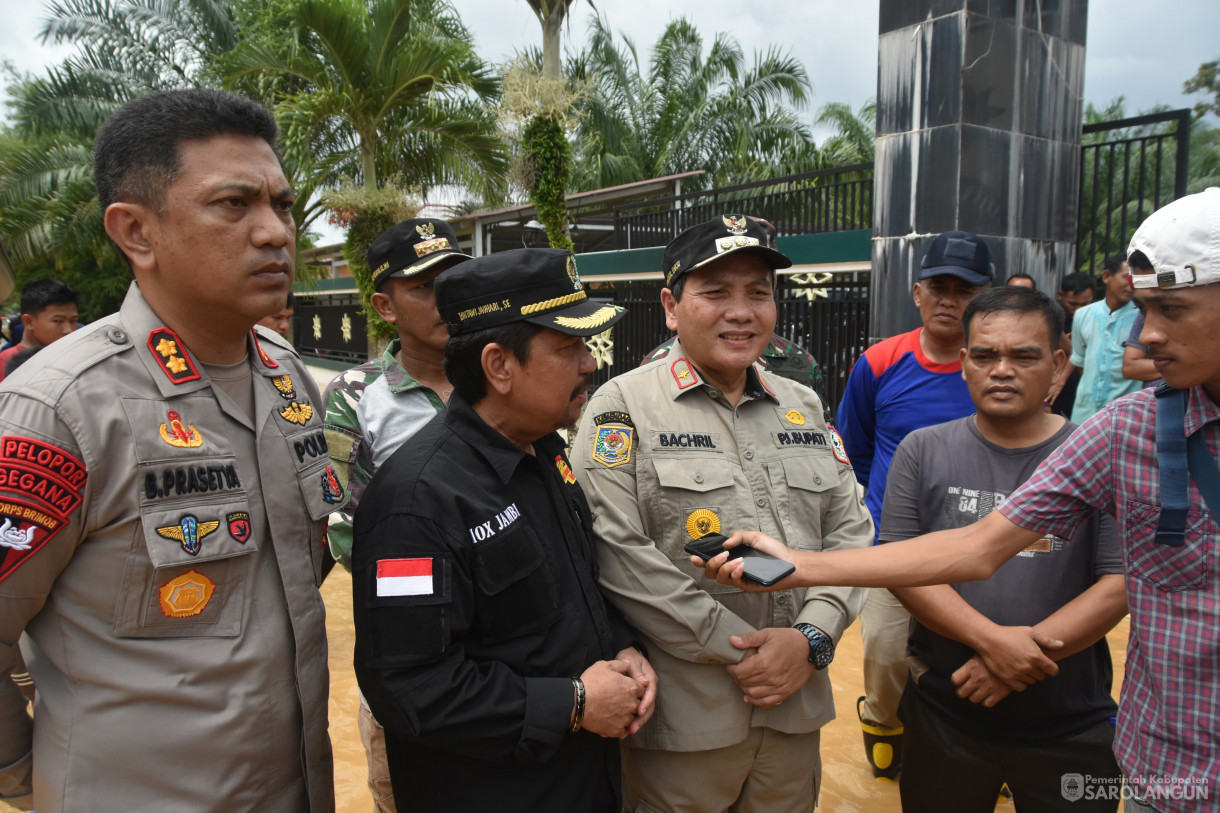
point(531, 634)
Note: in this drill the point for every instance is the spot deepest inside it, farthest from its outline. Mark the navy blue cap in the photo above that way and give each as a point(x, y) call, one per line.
point(960, 254)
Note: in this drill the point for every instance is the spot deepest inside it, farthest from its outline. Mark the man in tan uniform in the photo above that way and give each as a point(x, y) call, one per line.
point(705, 440)
point(163, 487)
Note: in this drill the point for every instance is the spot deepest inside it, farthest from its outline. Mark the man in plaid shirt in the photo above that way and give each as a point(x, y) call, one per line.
point(1168, 737)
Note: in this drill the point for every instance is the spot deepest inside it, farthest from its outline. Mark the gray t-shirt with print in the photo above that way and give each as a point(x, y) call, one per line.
point(950, 476)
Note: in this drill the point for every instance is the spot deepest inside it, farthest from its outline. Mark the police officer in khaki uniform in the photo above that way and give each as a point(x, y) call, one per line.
point(164, 484)
point(705, 440)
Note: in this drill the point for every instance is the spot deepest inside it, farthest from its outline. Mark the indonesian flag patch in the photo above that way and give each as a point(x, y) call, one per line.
point(404, 577)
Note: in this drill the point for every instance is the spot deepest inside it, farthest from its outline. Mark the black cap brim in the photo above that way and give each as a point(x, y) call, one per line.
point(972, 277)
point(423, 265)
point(587, 318)
point(775, 259)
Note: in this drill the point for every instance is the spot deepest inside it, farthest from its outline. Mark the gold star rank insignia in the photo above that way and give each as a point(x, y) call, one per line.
point(168, 353)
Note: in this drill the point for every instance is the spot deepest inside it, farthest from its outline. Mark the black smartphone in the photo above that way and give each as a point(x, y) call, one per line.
point(761, 568)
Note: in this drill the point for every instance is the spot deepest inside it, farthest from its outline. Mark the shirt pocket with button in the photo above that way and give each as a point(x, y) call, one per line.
point(188, 569)
point(515, 591)
point(320, 489)
point(190, 556)
point(804, 483)
point(1169, 567)
point(696, 497)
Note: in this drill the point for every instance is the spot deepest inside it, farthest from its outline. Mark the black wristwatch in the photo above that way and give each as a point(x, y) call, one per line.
point(821, 648)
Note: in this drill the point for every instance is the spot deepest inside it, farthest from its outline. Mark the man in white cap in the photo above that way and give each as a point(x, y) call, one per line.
point(1151, 461)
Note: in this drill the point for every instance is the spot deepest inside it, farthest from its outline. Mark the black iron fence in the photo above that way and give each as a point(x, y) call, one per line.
point(827, 200)
point(826, 314)
point(1129, 168)
point(331, 326)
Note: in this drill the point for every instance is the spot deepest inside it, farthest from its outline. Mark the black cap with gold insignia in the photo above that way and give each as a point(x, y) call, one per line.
point(539, 285)
point(412, 246)
point(719, 237)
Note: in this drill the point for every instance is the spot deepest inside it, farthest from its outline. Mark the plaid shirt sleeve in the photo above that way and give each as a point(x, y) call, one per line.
point(1070, 484)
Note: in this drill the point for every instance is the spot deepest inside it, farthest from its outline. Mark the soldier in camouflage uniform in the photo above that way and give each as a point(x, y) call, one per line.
point(373, 408)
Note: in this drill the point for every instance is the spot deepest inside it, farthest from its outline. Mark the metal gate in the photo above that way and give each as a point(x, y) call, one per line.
point(828, 316)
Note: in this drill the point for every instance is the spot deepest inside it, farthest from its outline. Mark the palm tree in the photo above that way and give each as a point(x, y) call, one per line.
point(687, 110)
point(389, 94)
point(49, 214)
point(393, 86)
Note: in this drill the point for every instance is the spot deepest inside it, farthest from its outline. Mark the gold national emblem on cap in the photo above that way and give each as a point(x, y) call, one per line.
point(573, 274)
point(426, 230)
point(701, 522)
point(735, 223)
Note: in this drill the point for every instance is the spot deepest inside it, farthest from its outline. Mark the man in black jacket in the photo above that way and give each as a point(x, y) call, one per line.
point(482, 642)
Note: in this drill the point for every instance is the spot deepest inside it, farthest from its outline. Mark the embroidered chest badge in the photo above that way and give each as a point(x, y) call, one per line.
point(565, 470)
point(332, 492)
point(297, 413)
point(795, 418)
point(239, 526)
point(173, 360)
point(701, 522)
point(25, 529)
point(178, 433)
point(612, 446)
point(190, 532)
point(283, 383)
point(836, 444)
point(186, 595)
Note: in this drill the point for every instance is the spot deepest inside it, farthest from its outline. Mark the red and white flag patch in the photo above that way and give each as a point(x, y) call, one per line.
point(404, 577)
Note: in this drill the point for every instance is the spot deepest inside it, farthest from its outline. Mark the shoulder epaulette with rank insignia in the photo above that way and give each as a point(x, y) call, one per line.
point(683, 373)
point(171, 356)
point(267, 361)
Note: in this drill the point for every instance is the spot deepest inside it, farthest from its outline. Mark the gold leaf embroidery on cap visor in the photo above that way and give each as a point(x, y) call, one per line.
point(595, 319)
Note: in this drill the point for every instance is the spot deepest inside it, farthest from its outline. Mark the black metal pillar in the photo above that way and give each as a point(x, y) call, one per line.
point(978, 128)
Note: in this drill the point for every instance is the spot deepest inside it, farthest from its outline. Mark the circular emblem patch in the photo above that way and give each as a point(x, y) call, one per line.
point(836, 444)
point(186, 595)
point(702, 522)
point(795, 418)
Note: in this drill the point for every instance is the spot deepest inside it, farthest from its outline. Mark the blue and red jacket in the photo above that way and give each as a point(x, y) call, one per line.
point(894, 389)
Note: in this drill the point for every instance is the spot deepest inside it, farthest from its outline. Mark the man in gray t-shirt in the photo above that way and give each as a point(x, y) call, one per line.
point(1010, 677)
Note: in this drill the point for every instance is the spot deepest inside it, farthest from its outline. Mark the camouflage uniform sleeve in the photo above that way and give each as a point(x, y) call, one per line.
point(350, 455)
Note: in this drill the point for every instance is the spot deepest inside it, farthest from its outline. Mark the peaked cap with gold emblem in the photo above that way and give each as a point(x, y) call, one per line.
point(410, 247)
point(706, 242)
point(539, 285)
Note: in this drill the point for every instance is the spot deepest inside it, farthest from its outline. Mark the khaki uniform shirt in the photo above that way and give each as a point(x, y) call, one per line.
point(663, 459)
point(162, 551)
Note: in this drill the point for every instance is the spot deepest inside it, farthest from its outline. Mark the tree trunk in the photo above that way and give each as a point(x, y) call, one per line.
point(552, 25)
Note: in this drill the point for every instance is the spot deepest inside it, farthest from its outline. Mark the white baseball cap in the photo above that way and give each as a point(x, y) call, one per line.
point(1182, 241)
